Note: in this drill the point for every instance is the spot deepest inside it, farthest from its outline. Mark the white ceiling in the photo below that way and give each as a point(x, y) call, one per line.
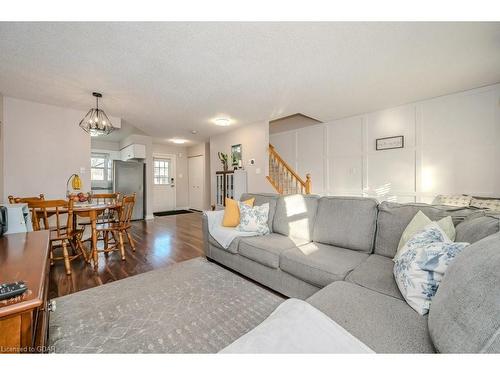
point(169, 78)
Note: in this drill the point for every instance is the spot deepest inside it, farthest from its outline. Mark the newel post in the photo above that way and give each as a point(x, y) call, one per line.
point(308, 183)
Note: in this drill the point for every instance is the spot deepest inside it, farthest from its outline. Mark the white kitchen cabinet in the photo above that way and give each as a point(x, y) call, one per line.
point(133, 151)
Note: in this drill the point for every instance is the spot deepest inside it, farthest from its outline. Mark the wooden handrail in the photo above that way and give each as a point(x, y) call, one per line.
point(285, 172)
point(285, 164)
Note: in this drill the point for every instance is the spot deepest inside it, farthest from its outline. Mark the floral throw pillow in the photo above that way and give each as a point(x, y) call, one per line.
point(422, 263)
point(253, 219)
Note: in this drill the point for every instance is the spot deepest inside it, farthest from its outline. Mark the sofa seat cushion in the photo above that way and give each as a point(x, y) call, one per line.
point(376, 273)
point(320, 264)
point(266, 249)
point(386, 324)
point(233, 247)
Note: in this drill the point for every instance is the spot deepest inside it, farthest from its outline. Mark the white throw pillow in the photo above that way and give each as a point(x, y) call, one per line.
point(419, 221)
point(422, 263)
point(488, 204)
point(253, 219)
point(453, 200)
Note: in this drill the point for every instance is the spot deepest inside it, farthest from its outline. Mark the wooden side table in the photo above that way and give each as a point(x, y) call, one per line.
point(24, 319)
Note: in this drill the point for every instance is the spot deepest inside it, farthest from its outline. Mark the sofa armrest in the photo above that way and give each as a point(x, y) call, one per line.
point(204, 226)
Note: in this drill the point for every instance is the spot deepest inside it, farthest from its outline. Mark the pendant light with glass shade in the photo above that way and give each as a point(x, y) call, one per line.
point(96, 122)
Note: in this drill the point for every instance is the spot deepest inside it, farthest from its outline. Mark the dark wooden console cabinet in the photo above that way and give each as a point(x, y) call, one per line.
point(24, 319)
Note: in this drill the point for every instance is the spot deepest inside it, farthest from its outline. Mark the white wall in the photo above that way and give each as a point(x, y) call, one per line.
point(99, 144)
point(43, 146)
point(452, 146)
point(203, 150)
point(254, 140)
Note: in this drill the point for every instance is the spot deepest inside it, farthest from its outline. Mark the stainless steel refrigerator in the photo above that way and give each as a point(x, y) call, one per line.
point(129, 177)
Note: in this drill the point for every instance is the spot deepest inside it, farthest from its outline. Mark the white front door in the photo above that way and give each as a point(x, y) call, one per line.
point(163, 183)
point(196, 179)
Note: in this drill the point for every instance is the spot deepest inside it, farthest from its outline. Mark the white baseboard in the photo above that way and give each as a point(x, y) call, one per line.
point(149, 217)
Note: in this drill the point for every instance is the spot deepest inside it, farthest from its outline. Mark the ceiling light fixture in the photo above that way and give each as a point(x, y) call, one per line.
point(96, 122)
point(222, 122)
point(178, 141)
point(194, 131)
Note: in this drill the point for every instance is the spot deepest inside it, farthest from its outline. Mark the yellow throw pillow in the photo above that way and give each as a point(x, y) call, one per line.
point(232, 212)
point(419, 221)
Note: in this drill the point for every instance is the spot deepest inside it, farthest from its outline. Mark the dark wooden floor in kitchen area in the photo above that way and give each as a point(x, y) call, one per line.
point(160, 242)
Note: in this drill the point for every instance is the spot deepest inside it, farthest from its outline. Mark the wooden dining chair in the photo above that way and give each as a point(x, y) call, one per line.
point(13, 199)
point(63, 233)
point(35, 220)
point(110, 214)
point(120, 228)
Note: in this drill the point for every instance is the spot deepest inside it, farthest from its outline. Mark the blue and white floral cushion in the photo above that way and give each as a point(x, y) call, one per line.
point(421, 265)
point(253, 219)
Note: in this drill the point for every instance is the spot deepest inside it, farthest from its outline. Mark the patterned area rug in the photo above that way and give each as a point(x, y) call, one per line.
point(190, 307)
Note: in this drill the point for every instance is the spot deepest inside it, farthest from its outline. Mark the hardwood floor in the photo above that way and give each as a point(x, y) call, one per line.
point(160, 242)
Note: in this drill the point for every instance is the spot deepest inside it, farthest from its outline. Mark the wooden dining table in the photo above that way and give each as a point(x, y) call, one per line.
point(92, 212)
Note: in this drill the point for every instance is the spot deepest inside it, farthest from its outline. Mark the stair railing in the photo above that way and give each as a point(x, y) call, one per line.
point(283, 178)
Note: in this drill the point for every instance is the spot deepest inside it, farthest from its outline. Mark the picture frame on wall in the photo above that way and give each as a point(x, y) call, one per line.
point(236, 156)
point(389, 143)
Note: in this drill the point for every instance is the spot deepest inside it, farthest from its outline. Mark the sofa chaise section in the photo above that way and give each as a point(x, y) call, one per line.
point(384, 323)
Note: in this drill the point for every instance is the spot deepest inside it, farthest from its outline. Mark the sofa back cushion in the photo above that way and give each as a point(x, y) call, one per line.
point(295, 216)
point(477, 226)
point(464, 313)
point(347, 222)
point(393, 218)
point(260, 199)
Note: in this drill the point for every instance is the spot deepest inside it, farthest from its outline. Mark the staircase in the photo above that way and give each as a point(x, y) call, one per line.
point(283, 178)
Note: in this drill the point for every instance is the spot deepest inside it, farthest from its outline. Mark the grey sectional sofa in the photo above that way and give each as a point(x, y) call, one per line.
point(336, 253)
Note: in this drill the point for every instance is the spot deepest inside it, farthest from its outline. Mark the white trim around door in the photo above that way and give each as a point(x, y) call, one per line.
point(164, 182)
